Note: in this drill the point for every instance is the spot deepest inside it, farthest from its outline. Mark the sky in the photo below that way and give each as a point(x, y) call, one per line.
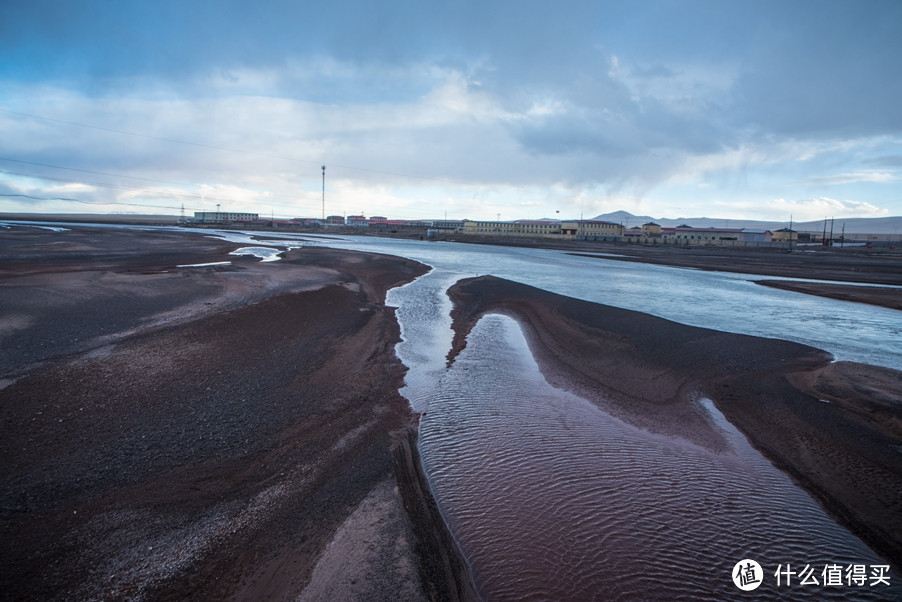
point(466, 110)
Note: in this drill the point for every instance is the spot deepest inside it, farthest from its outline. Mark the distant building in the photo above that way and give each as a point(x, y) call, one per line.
point(750, 235)
point(785, 235)
point(685, 235)
point(652, 230)
point(537, 226)
point(487, 227)
point(335, 220)
point(634, 234)
point(523, 227)
point(222, 217)
point(394, 225)
point(591, 229)
point(689, 236)
point(307, 222)
point(446, 224)
point(358, 221)
point(668, 235)
point(571, 229)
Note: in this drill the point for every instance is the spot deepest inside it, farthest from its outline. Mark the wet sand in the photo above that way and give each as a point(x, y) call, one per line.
point(840, 265)
point(846, 265)
point(835, 428)
point(222, 432)
point(874, 295)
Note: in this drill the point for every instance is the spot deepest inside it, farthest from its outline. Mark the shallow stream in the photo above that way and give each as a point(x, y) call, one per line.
point(553, 499)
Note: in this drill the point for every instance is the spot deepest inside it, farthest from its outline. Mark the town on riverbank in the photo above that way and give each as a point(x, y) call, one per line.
point(871, 235)
point(555, 230)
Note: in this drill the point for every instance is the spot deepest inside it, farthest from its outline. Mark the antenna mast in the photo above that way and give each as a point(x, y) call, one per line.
point(324, 195)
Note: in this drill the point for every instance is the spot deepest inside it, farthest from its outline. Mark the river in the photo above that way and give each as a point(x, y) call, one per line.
point(553, 499)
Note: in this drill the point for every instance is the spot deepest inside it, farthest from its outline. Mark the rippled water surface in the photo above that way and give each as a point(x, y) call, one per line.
point(554, 499)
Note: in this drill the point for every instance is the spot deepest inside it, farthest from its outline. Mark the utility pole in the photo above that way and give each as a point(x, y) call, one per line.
point(790, 232)
point(324, 195)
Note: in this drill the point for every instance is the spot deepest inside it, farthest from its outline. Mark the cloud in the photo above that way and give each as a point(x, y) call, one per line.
point(852, 177)
point(802, 209)
point(844, 208)
point(679, 103)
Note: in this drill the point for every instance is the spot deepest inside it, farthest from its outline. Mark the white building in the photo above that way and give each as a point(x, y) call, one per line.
point(222, 217)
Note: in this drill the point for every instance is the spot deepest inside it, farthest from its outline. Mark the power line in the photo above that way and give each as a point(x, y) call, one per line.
point(41, 198)
point(98, 202)
point(111, 186)
point(84, 202)
point(99, 173)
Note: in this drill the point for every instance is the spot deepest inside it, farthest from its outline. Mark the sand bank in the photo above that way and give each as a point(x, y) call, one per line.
point(835, 428)
point(840, 265)
point(874, 295)
point(214, 432)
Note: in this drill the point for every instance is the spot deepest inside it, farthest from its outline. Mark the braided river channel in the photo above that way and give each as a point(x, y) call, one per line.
point(551, 498)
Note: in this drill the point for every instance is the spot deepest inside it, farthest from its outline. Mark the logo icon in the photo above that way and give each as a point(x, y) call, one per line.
point(748, 575)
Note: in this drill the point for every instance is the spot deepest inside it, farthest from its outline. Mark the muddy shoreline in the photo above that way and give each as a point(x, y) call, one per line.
point(650, 372)
point(839, 265)
point(873, 295)
point(214, 432)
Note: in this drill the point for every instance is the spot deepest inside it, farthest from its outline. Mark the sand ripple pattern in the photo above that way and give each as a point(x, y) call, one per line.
point(553, 499)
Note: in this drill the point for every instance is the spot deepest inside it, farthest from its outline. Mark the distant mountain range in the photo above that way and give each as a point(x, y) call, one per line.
point(854, 225)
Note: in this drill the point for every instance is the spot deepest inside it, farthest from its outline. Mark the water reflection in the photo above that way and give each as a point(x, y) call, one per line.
point(423, 311)
point(554, 499)
point(264, 253)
